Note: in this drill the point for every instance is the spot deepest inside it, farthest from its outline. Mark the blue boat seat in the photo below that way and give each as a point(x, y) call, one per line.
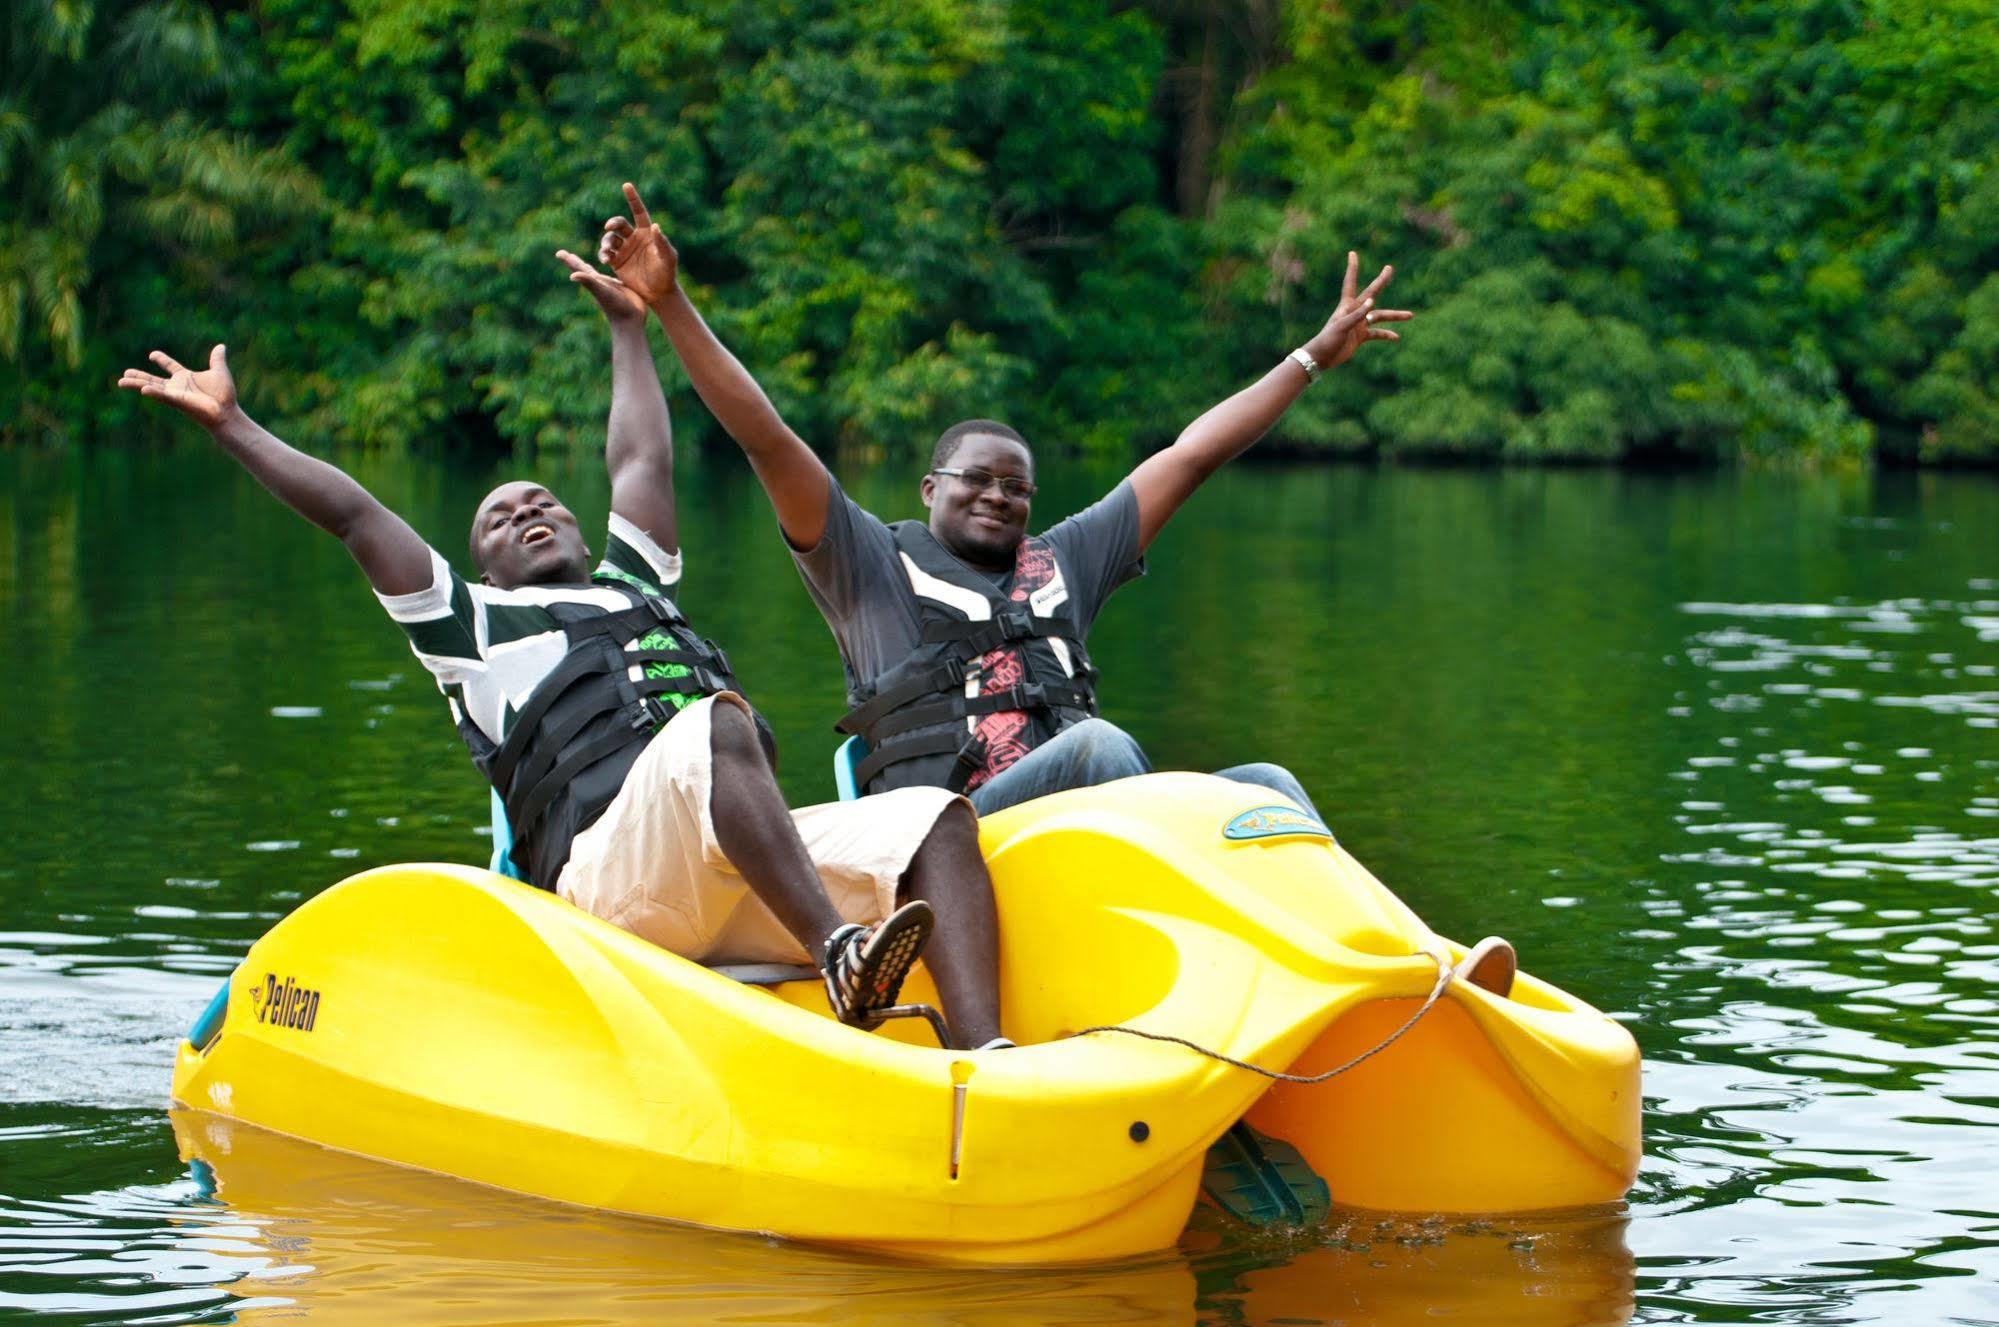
point(503, 842)
point(846, 767)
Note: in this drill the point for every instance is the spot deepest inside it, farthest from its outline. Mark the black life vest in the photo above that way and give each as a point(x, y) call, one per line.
point(997, 674)
point(568, 750)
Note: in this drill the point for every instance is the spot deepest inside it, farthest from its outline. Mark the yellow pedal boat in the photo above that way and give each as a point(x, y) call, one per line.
point(446, 1018)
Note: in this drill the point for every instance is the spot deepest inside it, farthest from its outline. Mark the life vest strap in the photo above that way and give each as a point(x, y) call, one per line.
point(1009, 624)
point(644, 715)
point(1020, 696)
point(574, 666)
point(968, 751)
point(698, 660)
point(945, 675)
point(708, 672)
point(581, 622)
point(948, 675)
point(550, 785)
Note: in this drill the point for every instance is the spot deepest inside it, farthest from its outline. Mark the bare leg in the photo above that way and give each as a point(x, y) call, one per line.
point(948, 873)
point(755, 831)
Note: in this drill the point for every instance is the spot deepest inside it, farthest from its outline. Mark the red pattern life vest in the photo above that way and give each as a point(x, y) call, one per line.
point(997, 672)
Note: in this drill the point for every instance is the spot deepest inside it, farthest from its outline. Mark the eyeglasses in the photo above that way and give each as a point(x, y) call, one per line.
point(1020, 490)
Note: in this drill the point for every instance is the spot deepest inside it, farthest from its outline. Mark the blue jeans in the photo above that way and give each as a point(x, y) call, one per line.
point(1097, 751)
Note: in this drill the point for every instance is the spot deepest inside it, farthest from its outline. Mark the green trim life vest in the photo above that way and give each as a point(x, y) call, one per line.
point(568, 750)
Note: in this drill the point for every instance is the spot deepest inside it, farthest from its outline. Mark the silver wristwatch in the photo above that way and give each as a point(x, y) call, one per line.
point(1306, 362)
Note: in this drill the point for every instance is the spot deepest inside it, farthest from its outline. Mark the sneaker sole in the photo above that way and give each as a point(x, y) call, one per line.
point(886, 958)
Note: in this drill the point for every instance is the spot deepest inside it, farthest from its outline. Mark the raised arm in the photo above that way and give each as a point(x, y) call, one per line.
point(392, 555)
point(638, 441)
point(1168, 478)
point(796, 481)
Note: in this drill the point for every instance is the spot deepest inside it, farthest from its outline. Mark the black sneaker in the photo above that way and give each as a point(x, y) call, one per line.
point(865, 965)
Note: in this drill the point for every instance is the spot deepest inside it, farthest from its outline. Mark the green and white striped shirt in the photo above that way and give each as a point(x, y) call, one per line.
point(489, 649)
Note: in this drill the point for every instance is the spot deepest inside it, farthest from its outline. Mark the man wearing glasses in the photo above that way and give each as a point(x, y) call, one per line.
point(962, 636)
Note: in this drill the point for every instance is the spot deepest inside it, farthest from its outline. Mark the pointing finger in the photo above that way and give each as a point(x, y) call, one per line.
point(640, 216)
point(1352, 277)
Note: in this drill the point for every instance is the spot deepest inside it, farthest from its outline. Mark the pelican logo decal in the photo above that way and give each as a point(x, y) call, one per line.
point(285, 1004)
point(1271, 822)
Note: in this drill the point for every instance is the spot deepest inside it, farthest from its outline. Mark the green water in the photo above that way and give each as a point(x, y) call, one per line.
point(1717, 752)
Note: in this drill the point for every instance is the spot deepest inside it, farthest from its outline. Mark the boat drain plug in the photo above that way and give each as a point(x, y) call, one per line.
point(1139, 1131)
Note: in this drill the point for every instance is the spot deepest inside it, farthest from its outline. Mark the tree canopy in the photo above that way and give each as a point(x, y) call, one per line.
point(1669, 229)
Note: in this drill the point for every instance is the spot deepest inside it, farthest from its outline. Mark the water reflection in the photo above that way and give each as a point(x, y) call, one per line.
point(1366, 1271)
point(343, 1239)
point(1854, 861)
point(1824, 1126)
point(352, 1240)
point(304, 1229)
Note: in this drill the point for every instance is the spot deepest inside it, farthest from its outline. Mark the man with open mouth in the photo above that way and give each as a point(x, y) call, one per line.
point(639, 783)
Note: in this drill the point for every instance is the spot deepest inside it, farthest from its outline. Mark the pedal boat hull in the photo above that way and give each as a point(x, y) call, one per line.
point(445, 1018)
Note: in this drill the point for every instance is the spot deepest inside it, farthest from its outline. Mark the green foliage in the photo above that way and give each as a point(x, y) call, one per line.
point(1761, 230)
point(119, 197)
point(885, 210)
point(1960, 391)
point(1750, 230)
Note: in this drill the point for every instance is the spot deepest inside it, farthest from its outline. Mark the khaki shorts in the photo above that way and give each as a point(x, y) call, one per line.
point(651, 863)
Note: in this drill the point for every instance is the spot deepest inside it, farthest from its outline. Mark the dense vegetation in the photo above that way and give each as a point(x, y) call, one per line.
point(1766, 229)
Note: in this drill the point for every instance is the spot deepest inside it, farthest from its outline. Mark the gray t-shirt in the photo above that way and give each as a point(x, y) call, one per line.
point(855, 576)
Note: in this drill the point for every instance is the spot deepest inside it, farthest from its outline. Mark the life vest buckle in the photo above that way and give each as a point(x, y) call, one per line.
point(647, 714)
point(1014, 623)
point(1027, 695)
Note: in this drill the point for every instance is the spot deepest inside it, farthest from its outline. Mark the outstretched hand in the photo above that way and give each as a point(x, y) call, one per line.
point(1356, 321)
point(207, 397)
point(620, 303)
point(638, 252)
